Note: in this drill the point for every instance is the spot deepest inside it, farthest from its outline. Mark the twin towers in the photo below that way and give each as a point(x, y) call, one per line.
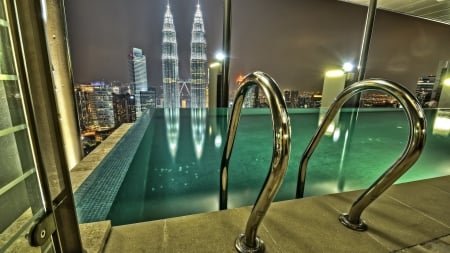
point(198, 63)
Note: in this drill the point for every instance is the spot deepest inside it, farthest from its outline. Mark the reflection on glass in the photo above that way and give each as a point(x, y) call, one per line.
point(341, 175)
point(198, 126)
point(333, 126)
point(441, 124)
point(172, 119)
point(333, 84)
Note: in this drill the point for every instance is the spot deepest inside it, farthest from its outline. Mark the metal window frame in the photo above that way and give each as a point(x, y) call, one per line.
point(28, 34)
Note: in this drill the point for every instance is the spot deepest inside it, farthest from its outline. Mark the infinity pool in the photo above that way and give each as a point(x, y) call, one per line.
point(175, 170)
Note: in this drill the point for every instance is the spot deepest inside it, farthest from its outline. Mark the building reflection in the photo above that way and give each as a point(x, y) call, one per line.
point(172, 119)
point(198, 127)
point(207, 130)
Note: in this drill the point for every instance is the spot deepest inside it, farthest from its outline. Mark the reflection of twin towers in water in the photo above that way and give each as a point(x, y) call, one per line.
point(198, 68)
point(198, 82)
point(198, 129)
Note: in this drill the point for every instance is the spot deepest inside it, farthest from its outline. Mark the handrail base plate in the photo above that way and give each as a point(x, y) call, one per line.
point(360, 226)
point(242, 247)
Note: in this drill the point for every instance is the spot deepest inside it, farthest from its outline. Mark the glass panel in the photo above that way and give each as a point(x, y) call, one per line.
point(6, 67)
point(2, 13)
point(20, 198)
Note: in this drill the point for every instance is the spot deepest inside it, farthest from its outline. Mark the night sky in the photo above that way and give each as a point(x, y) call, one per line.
point(294, 41)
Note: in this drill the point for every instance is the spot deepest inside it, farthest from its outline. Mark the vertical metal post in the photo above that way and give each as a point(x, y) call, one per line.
point(367, 35)
point(354, 102)
point(58, 49)
point(223, 102)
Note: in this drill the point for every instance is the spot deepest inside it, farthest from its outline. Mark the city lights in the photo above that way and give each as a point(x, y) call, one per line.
point(334, 73)
point(347, 67)
point(214, 65)
point(220, 56)
point(447, 82)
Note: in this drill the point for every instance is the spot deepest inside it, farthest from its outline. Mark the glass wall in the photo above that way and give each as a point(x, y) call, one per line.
point(310, 47)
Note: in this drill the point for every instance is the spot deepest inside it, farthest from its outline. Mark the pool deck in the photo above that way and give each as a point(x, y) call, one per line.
point(409, 217)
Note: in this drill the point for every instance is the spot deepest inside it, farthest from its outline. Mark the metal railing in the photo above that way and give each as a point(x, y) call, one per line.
point(416, 142)
point(249, 241)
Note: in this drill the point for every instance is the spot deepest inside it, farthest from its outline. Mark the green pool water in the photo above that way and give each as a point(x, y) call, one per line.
point(175, 170)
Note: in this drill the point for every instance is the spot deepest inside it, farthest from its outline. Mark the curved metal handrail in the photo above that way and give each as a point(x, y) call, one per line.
point(249, 241)
point(416, 142)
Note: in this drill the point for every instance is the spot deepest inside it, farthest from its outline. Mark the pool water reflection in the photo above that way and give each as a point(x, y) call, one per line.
point(175, 170)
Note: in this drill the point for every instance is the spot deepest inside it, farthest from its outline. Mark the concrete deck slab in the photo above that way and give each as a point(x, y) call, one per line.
point(306, 225)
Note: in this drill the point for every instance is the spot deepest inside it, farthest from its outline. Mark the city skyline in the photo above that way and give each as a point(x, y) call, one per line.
point(108, 43)
point(295, 42)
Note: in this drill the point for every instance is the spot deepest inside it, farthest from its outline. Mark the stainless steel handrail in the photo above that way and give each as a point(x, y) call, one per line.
point(249, 241)
point(416, 142)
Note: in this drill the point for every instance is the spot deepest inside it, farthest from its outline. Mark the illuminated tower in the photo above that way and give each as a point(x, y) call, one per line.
point(198, 61)
point(138, 75)
point(171, 92)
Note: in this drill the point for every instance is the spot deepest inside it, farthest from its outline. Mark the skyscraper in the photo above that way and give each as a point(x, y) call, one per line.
point(198, 61)
point(424, 89)
point(171, 92)
point(138, 75)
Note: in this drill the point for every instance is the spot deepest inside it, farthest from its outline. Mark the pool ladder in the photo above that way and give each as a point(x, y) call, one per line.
point(249, 241)
point(416, 142)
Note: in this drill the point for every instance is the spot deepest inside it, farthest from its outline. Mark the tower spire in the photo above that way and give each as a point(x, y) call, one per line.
point(198, 61)
point(170, 61)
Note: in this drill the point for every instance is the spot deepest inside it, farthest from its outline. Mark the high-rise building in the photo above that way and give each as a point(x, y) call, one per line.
point(148, 99)
point(95, 106)
point(84, 99)
point(251, 100)
point(138, 75)
point(124, 108)
point(171, 92)
point(424, 89)
point(198, 61)
point(287, 97)
point(291, 97)
point(103, 105)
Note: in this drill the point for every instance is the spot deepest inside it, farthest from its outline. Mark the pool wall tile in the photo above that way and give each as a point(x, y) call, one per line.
point(95, 196)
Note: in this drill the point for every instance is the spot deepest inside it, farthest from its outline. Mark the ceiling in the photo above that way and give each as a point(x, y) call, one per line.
point(436, 10)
